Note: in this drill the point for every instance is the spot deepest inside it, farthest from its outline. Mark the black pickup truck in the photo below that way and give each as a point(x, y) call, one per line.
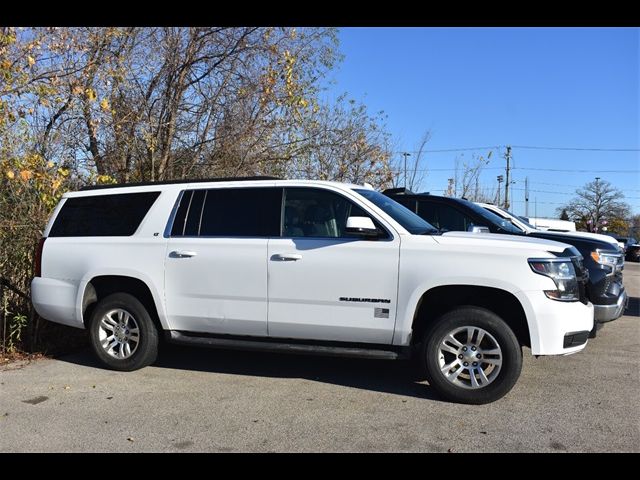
point(604, 286)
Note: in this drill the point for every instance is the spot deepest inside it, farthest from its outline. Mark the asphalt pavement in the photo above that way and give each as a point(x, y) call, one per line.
point(196, 400)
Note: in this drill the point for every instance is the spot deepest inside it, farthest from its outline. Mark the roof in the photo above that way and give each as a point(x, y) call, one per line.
point(202, 183)
point(172, 182)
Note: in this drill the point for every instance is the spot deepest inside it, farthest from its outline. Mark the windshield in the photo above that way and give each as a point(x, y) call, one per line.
point(401, 214)
point(510, 217)
point(493, 219)
point(526, 222)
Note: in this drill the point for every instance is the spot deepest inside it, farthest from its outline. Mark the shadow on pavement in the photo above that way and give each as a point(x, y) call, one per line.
point(633, 309)
point(396, 377)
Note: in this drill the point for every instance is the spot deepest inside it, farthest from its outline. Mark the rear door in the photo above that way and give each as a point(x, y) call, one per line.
point(216, 265)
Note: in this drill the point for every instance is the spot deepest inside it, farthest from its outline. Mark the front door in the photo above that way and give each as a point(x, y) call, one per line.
point(325, 284)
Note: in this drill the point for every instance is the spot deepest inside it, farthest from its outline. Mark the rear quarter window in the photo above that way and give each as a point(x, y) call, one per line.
point(117, 215)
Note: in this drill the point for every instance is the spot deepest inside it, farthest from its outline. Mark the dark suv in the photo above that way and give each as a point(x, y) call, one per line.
point(604, 287)
point(631, 248)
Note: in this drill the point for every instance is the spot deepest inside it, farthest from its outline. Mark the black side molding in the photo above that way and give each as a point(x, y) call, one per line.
point(385, 352)
point(573, 339)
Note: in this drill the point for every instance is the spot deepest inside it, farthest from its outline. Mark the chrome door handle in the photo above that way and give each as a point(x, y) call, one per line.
point(286, 257)
point(183, 254)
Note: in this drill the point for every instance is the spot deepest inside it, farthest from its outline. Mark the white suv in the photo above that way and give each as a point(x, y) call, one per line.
point(305, 266)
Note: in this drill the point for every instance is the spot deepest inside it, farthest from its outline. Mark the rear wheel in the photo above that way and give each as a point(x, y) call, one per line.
point(123, 335)
point(470, 355)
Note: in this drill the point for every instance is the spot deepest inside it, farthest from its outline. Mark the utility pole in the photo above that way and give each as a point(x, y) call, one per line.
point(507, 156)
point(597, 219)
point(526, 196)
point(405, 154)
point(500, 179)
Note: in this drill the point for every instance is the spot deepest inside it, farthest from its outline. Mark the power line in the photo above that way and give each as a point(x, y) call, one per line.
point(528, 147)
point(579, 149)
point(466, 149)
point(572, 186)
point(442, 169)
point(576, 171)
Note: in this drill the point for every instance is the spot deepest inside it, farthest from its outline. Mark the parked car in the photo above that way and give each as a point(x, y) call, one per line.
point(630, 246)
point(603, 259)
point(522, 224)
point(305, 267)
point(551, 224)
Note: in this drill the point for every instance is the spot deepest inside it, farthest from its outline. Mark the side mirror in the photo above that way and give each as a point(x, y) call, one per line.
point(478, 229)
point(361, 226)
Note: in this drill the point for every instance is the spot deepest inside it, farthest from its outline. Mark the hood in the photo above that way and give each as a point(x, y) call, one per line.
point(500, 241)
point(593, 236)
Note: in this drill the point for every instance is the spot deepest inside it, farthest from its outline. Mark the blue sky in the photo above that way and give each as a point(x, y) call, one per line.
point(548, 87)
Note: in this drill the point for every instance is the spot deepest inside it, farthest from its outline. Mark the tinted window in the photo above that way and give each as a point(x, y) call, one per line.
point(311, 212)
point(115, 215)
point(189, 214)
point(240, 212)
point(427, 210)
point(407, 202)
point(177, 228)
point(405, 217)
point(452, 219)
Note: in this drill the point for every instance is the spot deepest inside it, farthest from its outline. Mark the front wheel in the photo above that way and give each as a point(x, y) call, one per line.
point(470, 355)
point(123, 335)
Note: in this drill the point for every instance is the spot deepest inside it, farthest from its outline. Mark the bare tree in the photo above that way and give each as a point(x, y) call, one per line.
point(466, 180)
point(594, 203)
point(415, 173)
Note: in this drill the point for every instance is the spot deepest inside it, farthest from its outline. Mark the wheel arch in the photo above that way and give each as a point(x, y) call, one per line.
point(443, 298)
point(97, 286)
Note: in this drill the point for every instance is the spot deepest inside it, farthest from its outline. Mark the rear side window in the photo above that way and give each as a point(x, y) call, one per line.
point(117, 215)
point(229, 212)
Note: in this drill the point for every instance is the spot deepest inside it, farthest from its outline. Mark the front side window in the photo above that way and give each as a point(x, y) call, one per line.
point(229, 212)
point(312, 212)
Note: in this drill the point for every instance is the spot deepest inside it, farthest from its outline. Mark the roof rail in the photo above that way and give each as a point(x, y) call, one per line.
point(170, 182)
point(398, 191)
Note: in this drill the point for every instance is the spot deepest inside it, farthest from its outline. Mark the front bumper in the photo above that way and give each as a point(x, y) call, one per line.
point(551, 321)
point(606, 313)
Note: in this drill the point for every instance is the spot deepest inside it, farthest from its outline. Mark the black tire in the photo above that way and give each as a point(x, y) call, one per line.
point(146, 349)
point(503, 379)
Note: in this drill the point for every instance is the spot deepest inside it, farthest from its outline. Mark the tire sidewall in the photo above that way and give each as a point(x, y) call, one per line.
point(147, 349)
point(473, 317)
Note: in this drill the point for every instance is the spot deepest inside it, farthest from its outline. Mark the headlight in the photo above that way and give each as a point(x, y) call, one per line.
point(608, 259)
point(561, 271)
